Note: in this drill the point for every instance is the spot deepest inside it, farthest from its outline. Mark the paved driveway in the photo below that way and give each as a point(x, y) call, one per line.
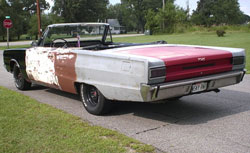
point(200, 123)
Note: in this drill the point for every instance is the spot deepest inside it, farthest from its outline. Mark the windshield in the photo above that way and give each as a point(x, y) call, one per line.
point(73, 34)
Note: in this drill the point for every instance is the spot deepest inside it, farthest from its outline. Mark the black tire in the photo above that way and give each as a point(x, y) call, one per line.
point(19, 80)
point(93, 100)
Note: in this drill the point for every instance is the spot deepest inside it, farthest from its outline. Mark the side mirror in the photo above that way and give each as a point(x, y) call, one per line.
point(34, 43)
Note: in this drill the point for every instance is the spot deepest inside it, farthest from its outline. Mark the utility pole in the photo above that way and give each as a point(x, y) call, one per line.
point(163, 9)
point(188, 8)
point(38, 18)
point(163, 5)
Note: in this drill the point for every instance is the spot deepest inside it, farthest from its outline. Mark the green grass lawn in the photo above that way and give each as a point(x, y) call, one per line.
point(29, 126)
point(231, 39)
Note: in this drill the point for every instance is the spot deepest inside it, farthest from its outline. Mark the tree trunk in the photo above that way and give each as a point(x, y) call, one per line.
point(143, 29)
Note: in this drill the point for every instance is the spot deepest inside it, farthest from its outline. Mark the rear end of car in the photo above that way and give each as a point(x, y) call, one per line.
point(184, 70)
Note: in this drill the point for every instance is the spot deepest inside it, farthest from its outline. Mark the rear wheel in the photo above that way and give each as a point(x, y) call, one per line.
point(20, 81)
point(93, 100)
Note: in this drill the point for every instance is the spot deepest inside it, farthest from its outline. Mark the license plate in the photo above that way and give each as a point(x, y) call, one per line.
point(198, 87)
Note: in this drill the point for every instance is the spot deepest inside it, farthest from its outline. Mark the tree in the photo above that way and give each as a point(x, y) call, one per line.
point(169, 18)
point(47, 20)
point(3, 7)
point(139, 9)
point(124, 16)
point(8, 9)
point(81, 10)
point(20, 12)
point(29, 6)
point(217, 12)
point(151, 21)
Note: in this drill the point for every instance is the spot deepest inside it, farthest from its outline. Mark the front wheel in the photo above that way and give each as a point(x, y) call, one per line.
point(93, 100)
point(20, 81)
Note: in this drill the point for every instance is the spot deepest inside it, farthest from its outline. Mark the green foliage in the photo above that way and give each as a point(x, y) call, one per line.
point(220, 33)
point(168, 18)
point(47, 19)
point(81, 10)
point(138, 9)
point(229, 28)
point(135, 15)
point(20, 12)
point(124, 16)
point(151, 24)
point(3, 7)
point(29, 126)
point(210, 12)
point(171, 19)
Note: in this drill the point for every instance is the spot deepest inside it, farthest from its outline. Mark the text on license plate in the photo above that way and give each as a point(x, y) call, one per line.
point(198, 87)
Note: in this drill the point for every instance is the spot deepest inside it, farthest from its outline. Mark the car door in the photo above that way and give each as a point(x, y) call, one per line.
point(53, 67)
point(40, 66)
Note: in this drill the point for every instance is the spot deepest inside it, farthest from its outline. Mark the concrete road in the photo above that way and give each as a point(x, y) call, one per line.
point(205, 123)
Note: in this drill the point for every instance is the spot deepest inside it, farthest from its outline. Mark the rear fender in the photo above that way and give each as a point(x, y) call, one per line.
point(12, 63)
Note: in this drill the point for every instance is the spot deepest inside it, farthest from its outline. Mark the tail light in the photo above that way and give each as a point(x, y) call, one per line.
point(239, 60)
point(155, 73)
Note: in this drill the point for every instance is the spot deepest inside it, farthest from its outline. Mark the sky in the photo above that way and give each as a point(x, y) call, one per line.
point(244, 4)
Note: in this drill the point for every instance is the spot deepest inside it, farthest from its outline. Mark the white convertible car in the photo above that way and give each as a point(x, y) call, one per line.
point(81, 58)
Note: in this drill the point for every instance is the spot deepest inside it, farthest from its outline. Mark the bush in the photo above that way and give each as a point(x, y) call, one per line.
point(220, 33)
point(180, 29)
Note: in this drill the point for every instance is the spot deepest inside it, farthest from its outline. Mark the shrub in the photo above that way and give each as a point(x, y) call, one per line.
point(220, 33)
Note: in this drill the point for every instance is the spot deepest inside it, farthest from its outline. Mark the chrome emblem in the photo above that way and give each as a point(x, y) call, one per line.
point(202, 59)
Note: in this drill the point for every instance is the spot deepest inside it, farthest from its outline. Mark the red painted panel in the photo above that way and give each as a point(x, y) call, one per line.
point(177, 72)
point(187, 62)
point(173, 55)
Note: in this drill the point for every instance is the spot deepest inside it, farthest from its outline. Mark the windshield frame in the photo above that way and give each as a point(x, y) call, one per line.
point(107, 31)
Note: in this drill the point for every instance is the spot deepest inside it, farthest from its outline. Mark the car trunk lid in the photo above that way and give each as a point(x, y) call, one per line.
point(184, 62)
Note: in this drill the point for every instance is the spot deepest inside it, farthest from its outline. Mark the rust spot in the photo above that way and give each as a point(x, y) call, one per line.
point(51, 56)
point(65, 70)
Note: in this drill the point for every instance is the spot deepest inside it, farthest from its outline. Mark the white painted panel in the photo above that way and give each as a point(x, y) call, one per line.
point(40, 65)
point(116, 77)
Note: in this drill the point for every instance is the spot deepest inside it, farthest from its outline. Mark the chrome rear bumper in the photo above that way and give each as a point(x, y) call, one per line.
point(182, 88)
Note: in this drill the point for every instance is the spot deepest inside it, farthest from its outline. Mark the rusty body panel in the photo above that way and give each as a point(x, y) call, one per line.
point(53, 67)
point(65, 70)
